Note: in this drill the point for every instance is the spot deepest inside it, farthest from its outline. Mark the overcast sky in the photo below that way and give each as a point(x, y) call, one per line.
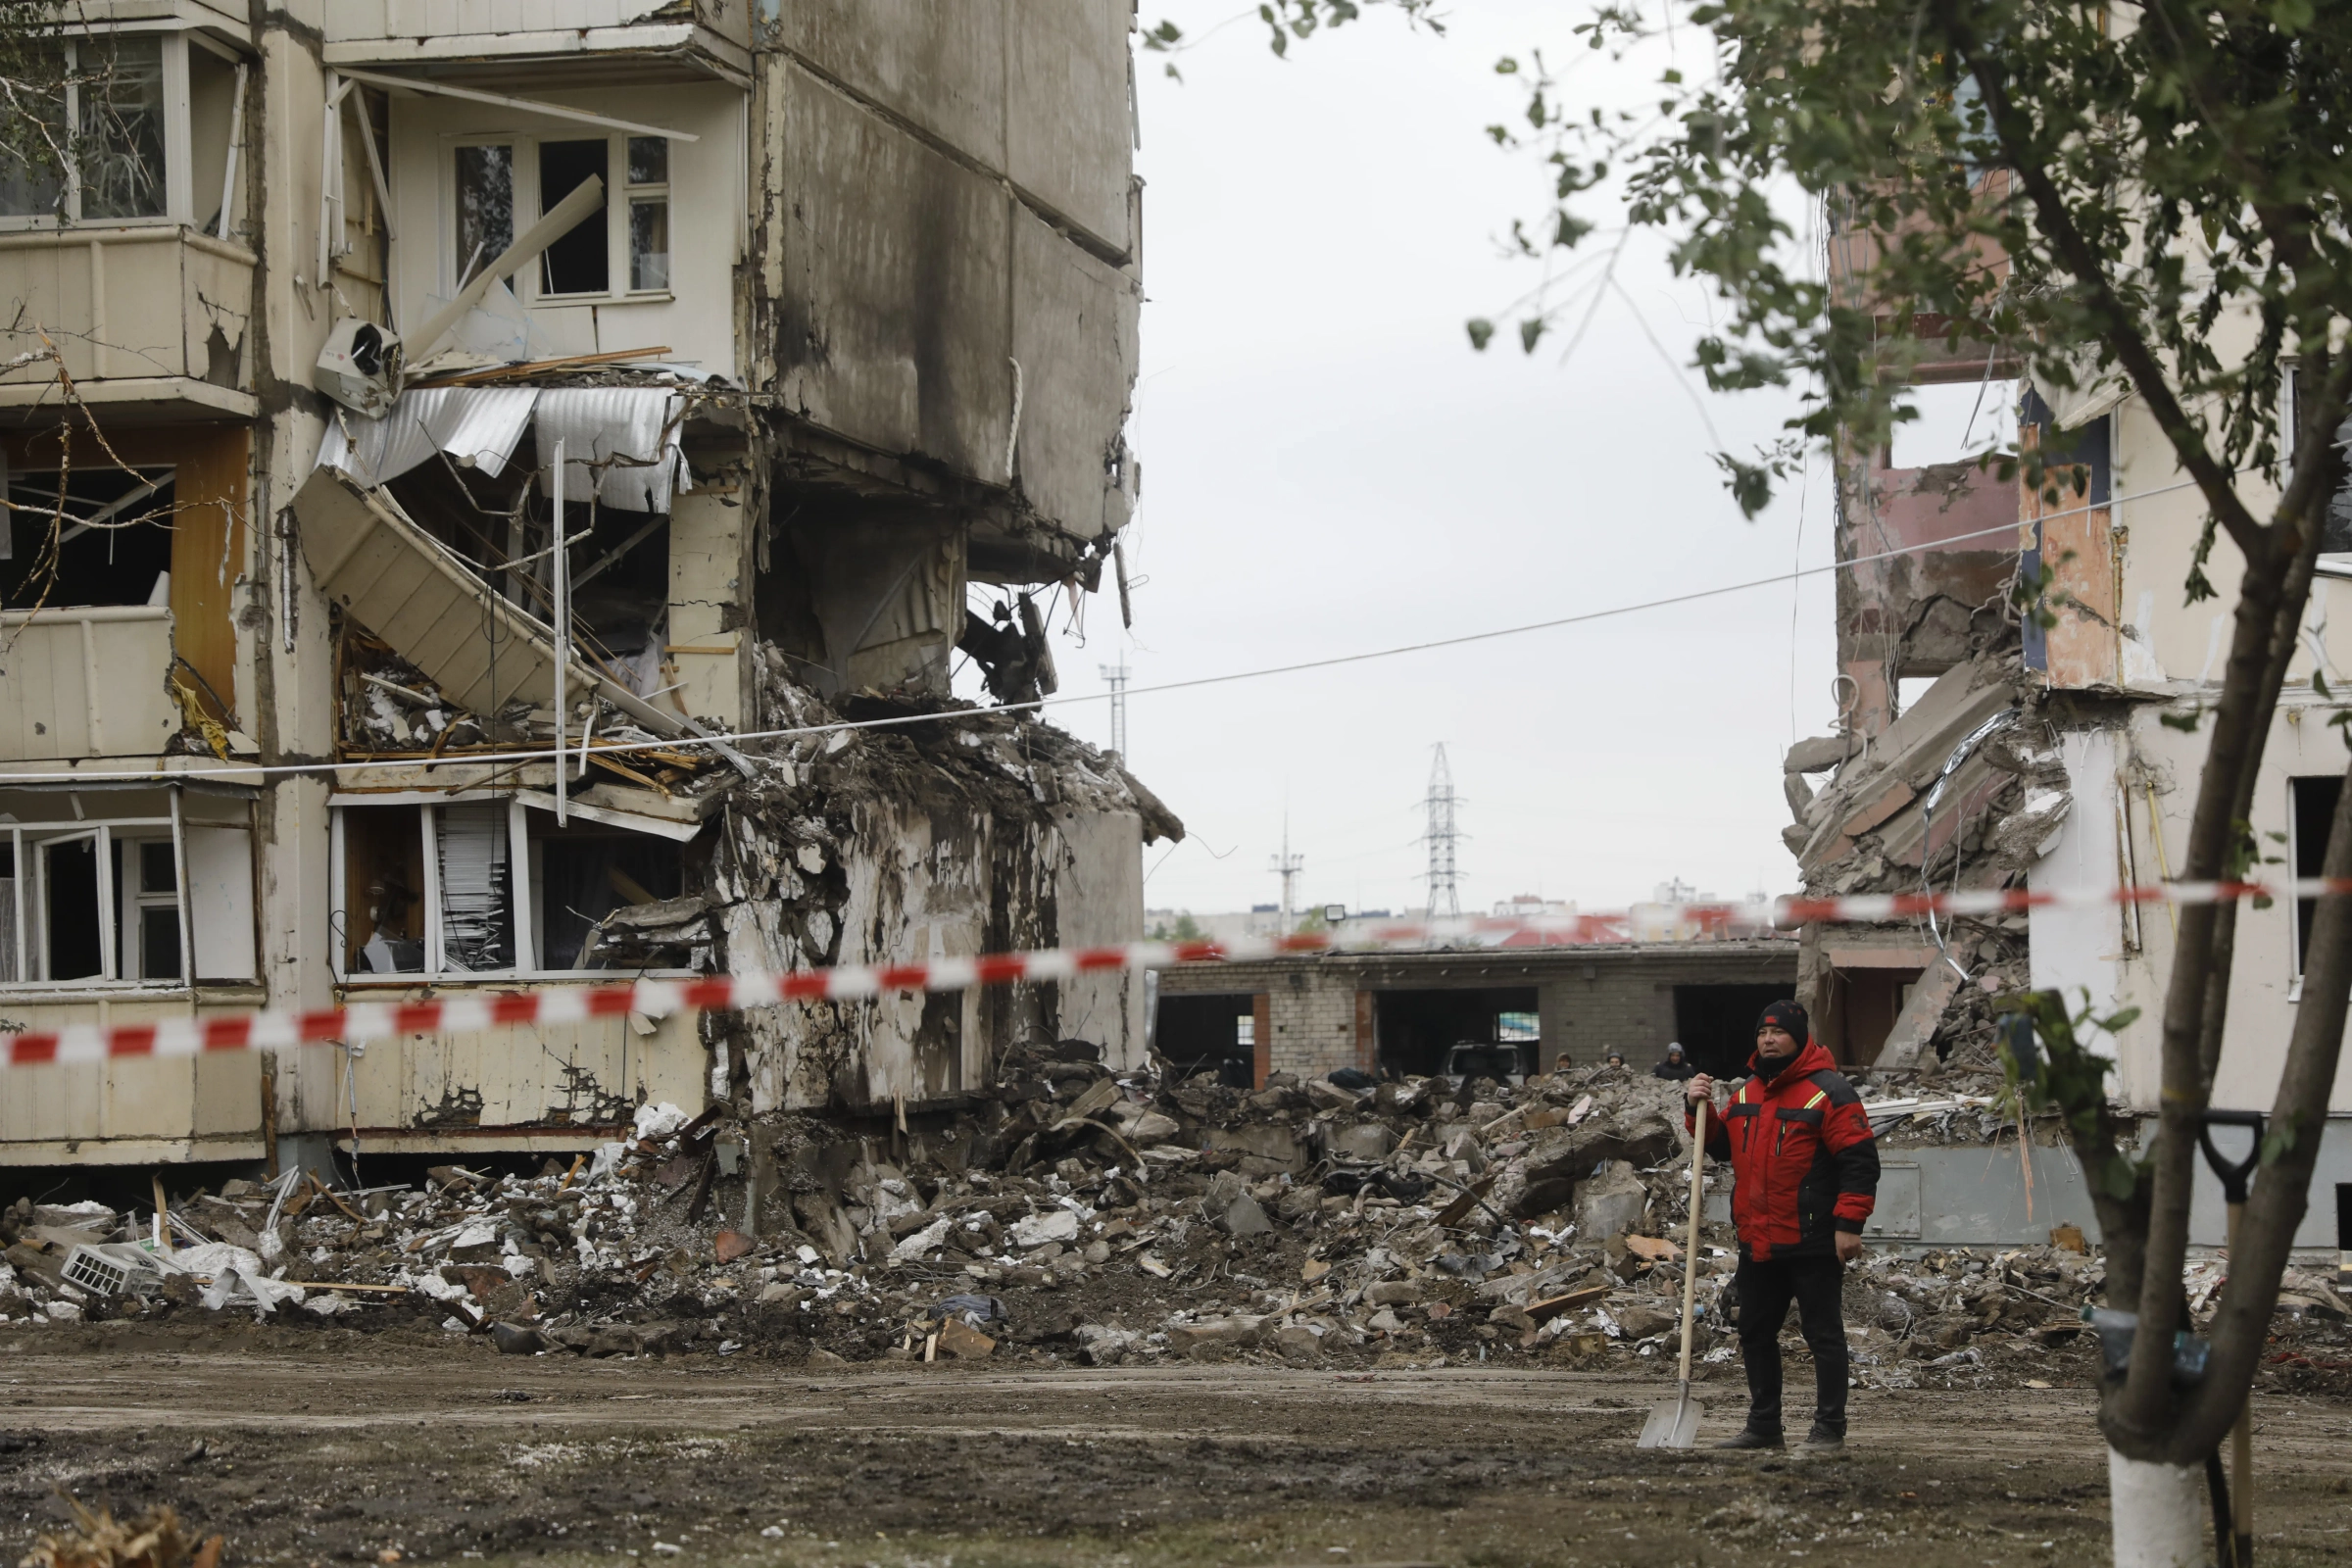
point(1327, 470)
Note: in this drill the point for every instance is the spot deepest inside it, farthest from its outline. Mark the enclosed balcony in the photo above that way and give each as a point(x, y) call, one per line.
point(121, 265)
point(626, 41)
point(147, 323)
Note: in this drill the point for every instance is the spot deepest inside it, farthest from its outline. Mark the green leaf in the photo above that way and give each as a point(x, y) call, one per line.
point(2186, 722)
point(1750, 484)
point(1531, 331)
point(2121, 1179)
point(2278, 1143)
point(2318, 683)
point(1482, 331)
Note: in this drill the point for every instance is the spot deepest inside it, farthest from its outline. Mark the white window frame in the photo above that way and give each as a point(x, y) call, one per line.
point(178, 133)
point(619, 194)
point(27, 889)
point(522, 892)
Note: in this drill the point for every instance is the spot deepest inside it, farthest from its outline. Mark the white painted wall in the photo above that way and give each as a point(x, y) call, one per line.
point(2079, 949)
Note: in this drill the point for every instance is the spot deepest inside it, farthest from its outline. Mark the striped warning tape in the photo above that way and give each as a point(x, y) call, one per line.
point(283, 1029)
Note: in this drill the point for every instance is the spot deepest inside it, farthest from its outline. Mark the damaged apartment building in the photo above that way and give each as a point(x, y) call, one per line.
point(447, 443)
point(1979, 747)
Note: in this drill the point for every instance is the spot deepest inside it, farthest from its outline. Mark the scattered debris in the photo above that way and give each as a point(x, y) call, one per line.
point(151, 1540)
point(1074, 1213)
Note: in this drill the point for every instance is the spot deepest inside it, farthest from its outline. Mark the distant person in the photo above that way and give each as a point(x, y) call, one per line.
point(1674, 1065)
point(1616, 1059)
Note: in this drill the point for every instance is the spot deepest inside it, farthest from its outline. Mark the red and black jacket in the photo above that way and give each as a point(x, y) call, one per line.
point(1804, 1164)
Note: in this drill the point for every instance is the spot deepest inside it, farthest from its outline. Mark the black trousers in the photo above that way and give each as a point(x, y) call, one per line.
point(1765, 1290)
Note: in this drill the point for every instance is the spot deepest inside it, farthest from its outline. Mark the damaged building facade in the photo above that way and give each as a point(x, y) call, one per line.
point(2033, 752)
point(432, 431)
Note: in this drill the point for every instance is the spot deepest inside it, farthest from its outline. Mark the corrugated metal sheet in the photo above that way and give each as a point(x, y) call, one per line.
point(477, 426)
point(626, 436)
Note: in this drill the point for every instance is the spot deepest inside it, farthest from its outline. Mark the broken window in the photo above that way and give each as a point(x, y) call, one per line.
point(1956, 423)
point(621, 247)
point(649, 214)
point(583, 877)
point(441, 889)
point(485, 202)
point(2312, 806)
point(579, 263)
point(70, 902)
point(381, 912)
point(129, 897)
point(105, 540)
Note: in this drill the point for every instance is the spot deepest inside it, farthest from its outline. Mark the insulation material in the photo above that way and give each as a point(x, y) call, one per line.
point(477, 426)
point(621, 444)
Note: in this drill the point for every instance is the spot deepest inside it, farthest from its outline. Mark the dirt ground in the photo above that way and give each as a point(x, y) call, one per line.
point(398, 1447)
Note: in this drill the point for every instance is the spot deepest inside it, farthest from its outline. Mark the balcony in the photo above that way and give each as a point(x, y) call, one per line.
point(151, 322)
point(628, 40)
point(88, 682)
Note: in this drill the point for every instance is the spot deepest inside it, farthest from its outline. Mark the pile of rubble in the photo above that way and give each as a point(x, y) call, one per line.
point(1963, 791)
point(1072, 1214)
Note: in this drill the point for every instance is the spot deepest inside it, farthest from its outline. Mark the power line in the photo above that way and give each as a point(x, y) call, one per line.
point(234, 772)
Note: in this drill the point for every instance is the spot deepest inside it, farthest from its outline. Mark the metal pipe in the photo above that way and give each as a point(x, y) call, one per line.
point(562, 630)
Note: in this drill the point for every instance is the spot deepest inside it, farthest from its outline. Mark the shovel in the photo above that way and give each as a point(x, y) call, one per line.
point(1674, 1424)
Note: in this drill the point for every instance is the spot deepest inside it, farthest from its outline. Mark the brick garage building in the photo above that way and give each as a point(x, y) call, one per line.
point(1401, 1013)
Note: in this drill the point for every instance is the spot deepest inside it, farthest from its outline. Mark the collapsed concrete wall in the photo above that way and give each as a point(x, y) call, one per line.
point(951, 837)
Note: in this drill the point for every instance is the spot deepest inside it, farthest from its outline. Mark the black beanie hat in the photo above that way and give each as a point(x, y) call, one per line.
point(1789, 1015)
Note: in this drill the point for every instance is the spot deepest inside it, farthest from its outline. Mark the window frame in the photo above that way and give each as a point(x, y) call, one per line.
point(621, 197)
point(120, 903)
point(2299, 912)
point(178, 132)
point(523, 892)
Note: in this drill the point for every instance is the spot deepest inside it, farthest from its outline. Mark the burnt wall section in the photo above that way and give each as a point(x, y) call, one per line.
point(945, 268)
point(945, 839)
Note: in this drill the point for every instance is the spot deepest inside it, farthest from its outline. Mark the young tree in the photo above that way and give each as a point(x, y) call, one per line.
point(2094, 188)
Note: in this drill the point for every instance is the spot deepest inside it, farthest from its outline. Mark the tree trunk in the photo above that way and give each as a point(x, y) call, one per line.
point(2159, 1513)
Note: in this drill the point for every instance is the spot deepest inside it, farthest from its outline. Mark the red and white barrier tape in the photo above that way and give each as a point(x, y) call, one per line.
point(280, 1029)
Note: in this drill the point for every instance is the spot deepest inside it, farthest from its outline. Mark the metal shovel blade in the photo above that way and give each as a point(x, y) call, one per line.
point(1673, 1424)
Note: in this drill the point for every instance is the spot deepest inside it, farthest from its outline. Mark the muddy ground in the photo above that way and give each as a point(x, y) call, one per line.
point(392, 1448)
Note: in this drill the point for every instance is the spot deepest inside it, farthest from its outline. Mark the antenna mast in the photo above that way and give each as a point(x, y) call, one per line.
point(1288, 866)
point(1445, 899)
point(1116, 675)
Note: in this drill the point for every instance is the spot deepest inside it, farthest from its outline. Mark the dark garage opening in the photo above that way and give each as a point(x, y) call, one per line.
point(1197, 1032)
point(1417, 1028)
point(1716, 1025)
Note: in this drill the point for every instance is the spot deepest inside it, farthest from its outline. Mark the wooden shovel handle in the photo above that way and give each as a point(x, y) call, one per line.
point(1698, 1156)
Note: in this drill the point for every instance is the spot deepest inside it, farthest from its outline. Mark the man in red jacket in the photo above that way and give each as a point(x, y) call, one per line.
point(1804, 1178)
